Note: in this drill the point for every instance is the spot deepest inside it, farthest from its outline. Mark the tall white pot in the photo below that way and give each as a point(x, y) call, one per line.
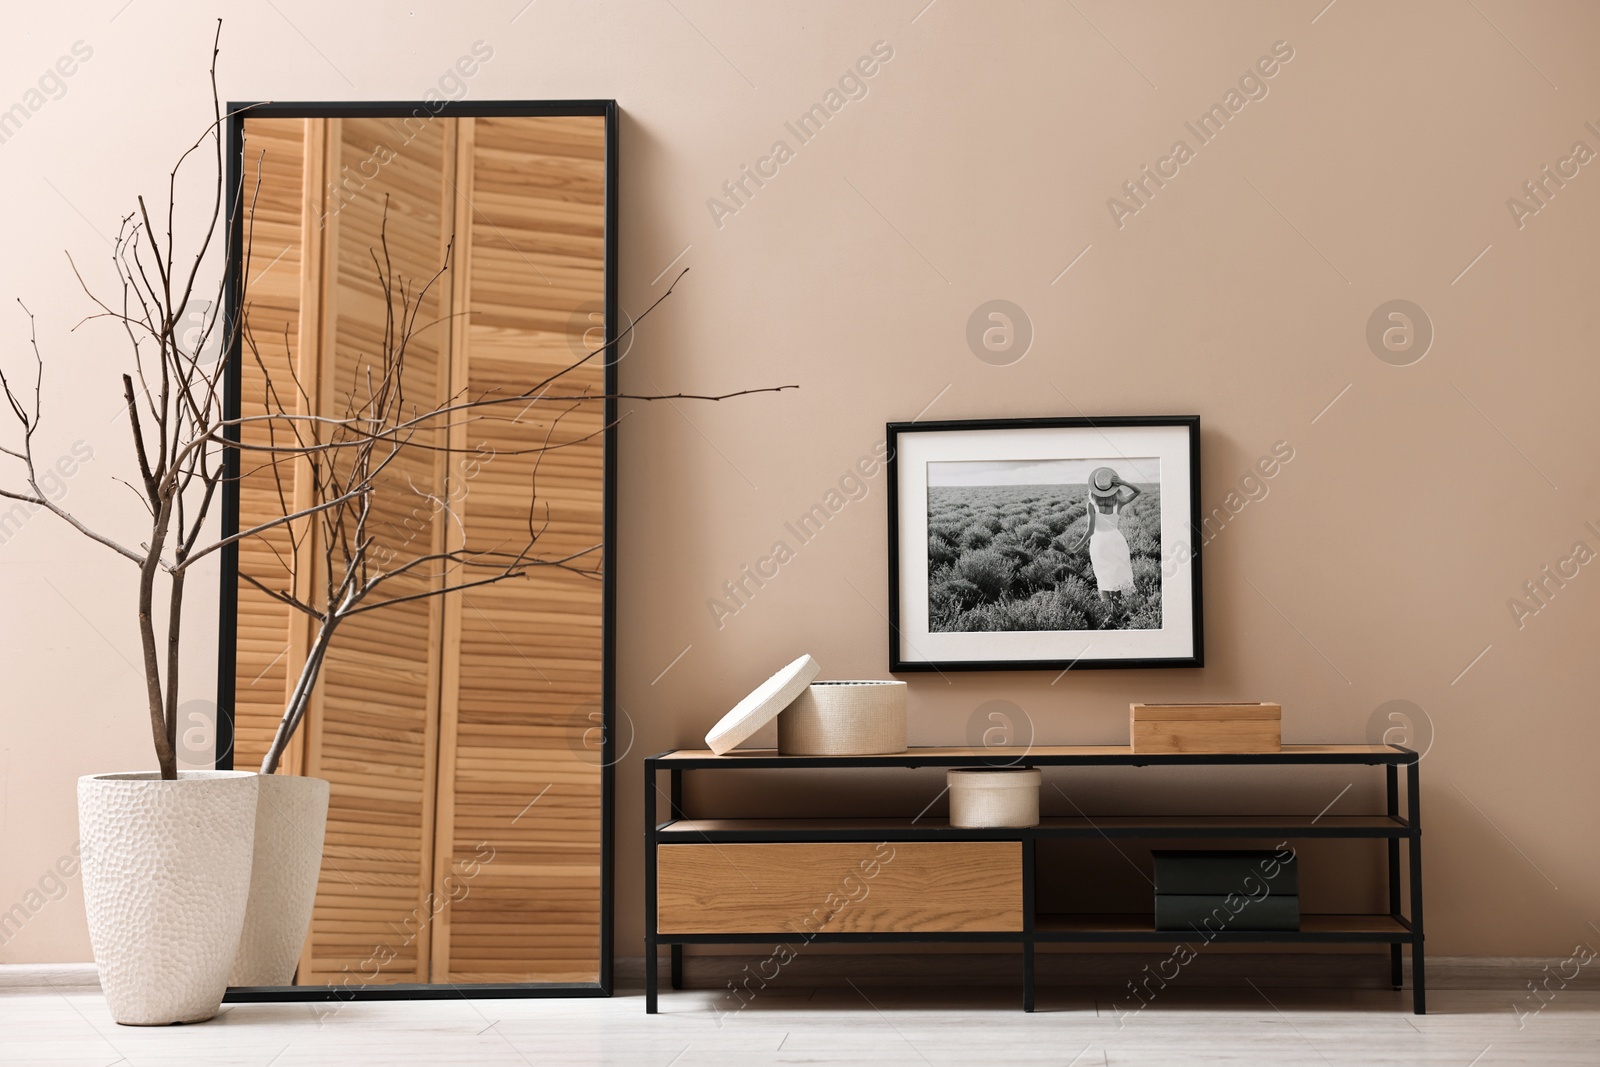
point(166, 873)
point(291, 817)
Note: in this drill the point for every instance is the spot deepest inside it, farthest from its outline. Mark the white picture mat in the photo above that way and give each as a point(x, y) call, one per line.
point(1170, 444)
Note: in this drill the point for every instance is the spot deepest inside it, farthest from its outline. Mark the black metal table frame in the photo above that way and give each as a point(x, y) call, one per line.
point(1391, 758)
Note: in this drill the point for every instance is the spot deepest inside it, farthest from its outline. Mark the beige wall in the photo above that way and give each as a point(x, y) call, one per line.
point(978, 166)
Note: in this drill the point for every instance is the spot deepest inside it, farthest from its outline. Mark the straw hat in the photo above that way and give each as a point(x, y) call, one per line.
point(1104, 482)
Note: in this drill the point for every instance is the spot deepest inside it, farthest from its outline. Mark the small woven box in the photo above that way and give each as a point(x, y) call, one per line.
point(982, 797)
point(845, 719)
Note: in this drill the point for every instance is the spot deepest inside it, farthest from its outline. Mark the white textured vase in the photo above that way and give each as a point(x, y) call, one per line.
point(291, 816)
point(166, 873)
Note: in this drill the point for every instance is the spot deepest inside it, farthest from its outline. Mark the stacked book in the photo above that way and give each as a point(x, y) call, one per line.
point(1210, 892)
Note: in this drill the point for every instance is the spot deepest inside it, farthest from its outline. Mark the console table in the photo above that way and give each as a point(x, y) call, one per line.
point(720, 881)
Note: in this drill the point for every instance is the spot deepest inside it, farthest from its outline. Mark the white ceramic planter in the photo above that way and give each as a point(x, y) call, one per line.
point(291, 817)
point(166, 873)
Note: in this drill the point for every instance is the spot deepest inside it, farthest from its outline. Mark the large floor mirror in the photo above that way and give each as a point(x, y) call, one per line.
point(465, 736)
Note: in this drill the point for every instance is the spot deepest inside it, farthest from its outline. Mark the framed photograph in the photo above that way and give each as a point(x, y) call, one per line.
point(1044, 544)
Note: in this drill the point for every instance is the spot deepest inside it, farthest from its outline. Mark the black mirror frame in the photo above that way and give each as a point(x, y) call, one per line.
point(228, 600)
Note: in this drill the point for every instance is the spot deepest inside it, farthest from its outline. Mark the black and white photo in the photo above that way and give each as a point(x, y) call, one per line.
point(1064, 544)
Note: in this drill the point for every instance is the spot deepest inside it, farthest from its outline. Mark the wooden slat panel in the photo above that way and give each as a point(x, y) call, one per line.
point(520, 783)
point(841, 887)
point(457, 205)
point(275, 163)
point(451, 730)
point(377, 720)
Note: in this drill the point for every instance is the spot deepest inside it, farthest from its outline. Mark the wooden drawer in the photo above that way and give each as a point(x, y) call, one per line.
point(840, 887)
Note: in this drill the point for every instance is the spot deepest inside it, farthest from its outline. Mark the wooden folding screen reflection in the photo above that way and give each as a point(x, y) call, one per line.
point(465, 827)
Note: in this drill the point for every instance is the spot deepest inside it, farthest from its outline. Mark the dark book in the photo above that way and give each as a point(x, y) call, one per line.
point(1214, 872)
point(1207, 914)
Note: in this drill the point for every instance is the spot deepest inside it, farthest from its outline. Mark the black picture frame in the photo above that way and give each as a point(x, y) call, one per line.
point(227, 675)
point(896, 434)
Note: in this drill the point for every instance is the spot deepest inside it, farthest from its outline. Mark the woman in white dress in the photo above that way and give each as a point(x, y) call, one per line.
point(1108, 549)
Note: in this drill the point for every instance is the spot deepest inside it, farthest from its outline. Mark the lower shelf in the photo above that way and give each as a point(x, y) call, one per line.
point(1088, 927)
point(1332, 929)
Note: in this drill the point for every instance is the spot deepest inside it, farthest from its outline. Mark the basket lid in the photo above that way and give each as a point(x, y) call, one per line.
point(762, 705)
point(995, 777)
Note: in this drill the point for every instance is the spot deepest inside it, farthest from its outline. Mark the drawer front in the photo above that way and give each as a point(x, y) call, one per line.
point(840, 887)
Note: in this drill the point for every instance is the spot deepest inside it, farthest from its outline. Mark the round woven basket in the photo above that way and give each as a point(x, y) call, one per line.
point(845, 719)
point(994, 797)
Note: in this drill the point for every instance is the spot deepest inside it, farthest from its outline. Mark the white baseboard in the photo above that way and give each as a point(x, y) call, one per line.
point(54, 977)
point(1360, 970)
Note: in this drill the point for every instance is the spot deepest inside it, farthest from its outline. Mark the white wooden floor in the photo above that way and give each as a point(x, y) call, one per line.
point(835, 1025)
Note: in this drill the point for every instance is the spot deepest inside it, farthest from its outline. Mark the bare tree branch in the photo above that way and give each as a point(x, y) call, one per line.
point(341, 461)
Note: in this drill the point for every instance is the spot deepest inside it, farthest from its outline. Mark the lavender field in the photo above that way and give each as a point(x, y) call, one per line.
point(997, 560)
